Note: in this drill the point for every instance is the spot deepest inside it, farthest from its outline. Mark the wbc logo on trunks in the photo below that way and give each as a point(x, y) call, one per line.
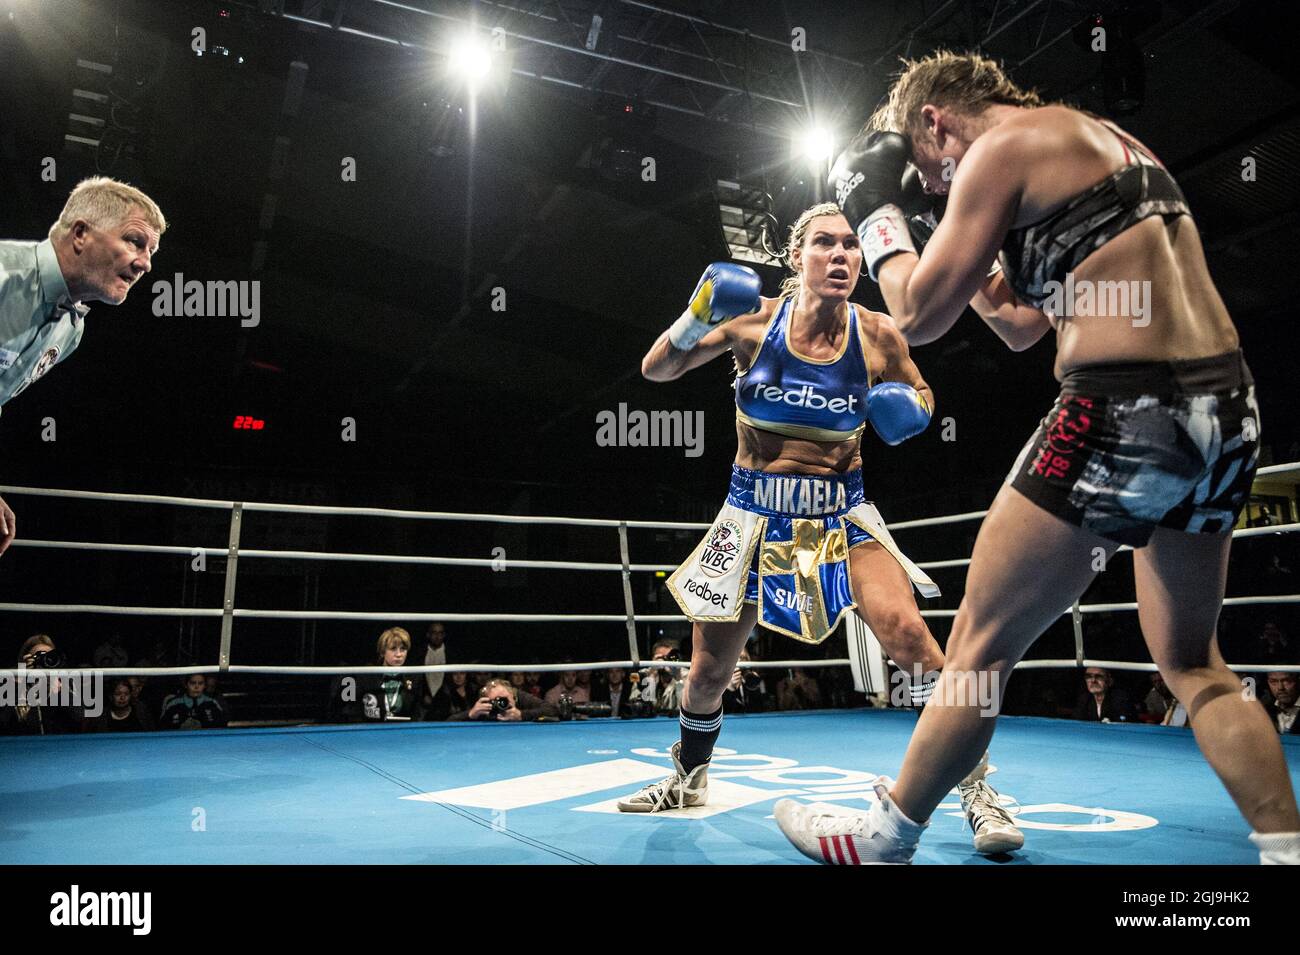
point(721, 549)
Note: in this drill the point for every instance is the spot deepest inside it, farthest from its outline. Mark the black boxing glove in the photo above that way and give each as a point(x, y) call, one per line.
point(868, 182)
point(922, 209)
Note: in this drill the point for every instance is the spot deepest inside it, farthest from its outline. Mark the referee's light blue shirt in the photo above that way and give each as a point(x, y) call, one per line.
point(40, 325)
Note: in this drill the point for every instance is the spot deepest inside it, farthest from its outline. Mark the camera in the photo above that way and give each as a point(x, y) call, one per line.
point(46, 660)
point(500, 706)
point(569, 709)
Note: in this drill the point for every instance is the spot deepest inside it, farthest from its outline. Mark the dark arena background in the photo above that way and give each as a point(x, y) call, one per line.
point(457, 228)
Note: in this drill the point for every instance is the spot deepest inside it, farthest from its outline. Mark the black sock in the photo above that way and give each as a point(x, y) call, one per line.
point(699, 733)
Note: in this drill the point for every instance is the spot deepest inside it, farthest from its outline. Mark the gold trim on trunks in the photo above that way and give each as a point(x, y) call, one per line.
point(807, 550)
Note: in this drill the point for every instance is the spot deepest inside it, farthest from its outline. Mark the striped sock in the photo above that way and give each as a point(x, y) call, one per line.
point(699, 734)
point(922, 688)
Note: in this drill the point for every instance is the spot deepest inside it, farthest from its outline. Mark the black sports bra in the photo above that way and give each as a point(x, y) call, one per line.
point(1046, 250)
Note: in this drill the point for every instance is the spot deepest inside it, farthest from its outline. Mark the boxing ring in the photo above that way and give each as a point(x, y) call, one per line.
point(1085, 793)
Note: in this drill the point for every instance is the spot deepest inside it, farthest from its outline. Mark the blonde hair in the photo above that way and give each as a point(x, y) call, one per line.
point(798, 232)
point(504, 684)
point(393, 637)
point(105, 203)
point(966, 81)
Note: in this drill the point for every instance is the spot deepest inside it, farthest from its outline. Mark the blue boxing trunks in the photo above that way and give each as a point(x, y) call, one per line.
point(782, 541)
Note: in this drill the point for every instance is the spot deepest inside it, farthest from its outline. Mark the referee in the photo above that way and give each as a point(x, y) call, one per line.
point(103, 243)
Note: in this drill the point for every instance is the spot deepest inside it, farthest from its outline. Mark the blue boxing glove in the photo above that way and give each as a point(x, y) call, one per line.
point(724, 291)
point(897, 411)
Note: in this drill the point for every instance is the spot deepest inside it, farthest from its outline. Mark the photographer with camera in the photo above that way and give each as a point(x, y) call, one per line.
point(614, 691)
point(658, 690)
point(746, 693)
point(31, 715)
point(500, 702)
point(568, 687)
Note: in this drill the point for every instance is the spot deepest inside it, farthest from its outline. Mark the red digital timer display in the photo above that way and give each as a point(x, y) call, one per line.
point(244, 422)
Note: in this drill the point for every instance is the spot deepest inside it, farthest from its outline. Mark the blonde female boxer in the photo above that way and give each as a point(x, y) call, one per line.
point(796, 546)
point(1153, 442)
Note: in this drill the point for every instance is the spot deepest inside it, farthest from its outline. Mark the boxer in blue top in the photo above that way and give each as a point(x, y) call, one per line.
point(796, 545)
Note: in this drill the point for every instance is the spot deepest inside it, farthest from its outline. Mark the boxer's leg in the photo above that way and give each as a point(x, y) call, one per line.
point(1180, 580)
point(1027, 568)
point(887, 605)
point(715, 649)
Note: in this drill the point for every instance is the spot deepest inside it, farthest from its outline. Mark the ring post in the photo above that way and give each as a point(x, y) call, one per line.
point(1076, 616)
point(228, 602)
point(627, 594)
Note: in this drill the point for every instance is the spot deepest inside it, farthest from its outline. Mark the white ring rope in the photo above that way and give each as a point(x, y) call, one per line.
point(423, 668)
point(389, 616)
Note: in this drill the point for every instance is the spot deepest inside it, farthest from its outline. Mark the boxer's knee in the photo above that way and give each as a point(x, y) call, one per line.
point(907, 639)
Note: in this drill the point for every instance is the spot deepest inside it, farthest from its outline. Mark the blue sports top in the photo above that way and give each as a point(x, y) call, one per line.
point(787, 393)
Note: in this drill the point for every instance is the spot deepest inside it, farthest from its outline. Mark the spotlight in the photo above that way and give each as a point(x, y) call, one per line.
point(469, 59)
point(816, 144)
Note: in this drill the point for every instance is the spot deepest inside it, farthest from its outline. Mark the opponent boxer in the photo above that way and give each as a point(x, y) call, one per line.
point(102, 244)
point(796, 542)
point(1152, 443)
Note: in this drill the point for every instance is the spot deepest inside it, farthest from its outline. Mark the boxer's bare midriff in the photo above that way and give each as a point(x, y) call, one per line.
point(1184, 315)
point(766, 451)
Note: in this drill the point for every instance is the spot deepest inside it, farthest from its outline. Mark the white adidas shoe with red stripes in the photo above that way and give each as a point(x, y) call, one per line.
point(835, 835)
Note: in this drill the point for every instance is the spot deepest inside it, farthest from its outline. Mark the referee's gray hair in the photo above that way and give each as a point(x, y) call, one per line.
point(105, 203)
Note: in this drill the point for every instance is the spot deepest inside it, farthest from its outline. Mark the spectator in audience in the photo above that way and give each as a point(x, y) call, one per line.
point(36, 711)
point(1273, 645)
point(516, 706)
point(140, 702)
point(192, 709)
point(456, 696)
point(435, 654)
point(747, 693)
point(613, 690)
point(519, 680)
point(1265, 518)
point(389, 696)
point(568, 686)
point(533, 683)
point(1282, 706)
point(584, 680)
point(1102, 701)
point(120, 713)
point(212, 691)
point(1157, 703)
point(110, 653)
point(798, 691)
point(665, 685)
